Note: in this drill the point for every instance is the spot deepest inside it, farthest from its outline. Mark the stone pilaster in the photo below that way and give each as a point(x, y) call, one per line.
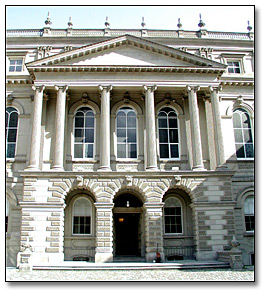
point(195, 128)
point(219, 143)
point(105, 129)
point(36, 129)
point(104, 232)
point(60, 127)
point(151, 146)
point(153, 230)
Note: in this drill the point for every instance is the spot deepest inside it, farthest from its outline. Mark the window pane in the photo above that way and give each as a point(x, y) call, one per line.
point(78, 150)
point(174, 151)
point(89, 122)
point(162, 123)
point(121, 150)
point(132, 151)
point(247, 135)
point(121, 135)
point(121, 121)
point(89, 135)
point(79, 121)
point(245, 120)
point(13, 120)
point(12, 135)
point(18, 68)
point(163, 135)
point(240, 151)
point(164, 151)
point(236, 120)
point(238, 135)
point(11, 150)
point(249, 150)
point(131, 119)
point(131, 135)
point(79, 135)
point(89, 151)
point(172, 123)
point(173, 135)
point(11, 68)
point(12, 62)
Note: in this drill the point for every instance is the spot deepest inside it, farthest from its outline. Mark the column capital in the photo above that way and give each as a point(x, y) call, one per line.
point(38, 88)
point(107, 88)
point(193, 88)
point(152, 88)
point(63, 88)
point(215, 89)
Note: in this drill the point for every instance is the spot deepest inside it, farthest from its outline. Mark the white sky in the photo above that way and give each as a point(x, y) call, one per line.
point(216, 18)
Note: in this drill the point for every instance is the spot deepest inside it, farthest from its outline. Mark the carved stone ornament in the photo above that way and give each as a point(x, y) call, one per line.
point(85, 98)
point(128, 180)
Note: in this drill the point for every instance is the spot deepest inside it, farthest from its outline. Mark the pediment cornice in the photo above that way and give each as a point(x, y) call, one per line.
point(65, 59)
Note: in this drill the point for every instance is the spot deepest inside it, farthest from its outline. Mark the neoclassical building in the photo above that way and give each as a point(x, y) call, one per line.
point(125, 143)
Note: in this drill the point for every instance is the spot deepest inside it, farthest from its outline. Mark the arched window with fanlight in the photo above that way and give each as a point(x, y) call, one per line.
point(243, 134)
point(173, 218)
point(84, 133)
point(168, 134)
point(126, 132)
point(11, 131)
point(82, 214)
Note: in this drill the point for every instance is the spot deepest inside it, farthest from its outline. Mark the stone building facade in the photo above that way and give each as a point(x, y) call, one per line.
point(128, 143)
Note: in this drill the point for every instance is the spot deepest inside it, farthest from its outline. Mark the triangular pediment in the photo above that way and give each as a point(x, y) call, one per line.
point(126, 51)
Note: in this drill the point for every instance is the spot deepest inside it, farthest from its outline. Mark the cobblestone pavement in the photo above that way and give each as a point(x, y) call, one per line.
point(13, 274)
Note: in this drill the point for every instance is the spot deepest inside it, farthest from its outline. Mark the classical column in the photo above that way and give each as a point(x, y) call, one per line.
point(36, 128)
point(105, 129)
point(210, 133)
point(104, 232)
point(151, 146)
point(219, 143)
point(60, 128)
point(195, 127)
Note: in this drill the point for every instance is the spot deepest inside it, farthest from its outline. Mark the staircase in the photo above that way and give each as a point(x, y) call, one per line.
point(140, 264)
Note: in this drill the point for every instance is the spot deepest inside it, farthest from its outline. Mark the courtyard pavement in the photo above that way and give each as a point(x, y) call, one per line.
point(13, 275)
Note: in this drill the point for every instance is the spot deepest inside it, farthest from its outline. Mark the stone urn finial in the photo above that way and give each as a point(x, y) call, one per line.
point(201, 23)
point(179, 25)
point(48, 20)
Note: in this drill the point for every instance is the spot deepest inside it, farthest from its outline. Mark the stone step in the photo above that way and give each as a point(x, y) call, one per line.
point(70, 265)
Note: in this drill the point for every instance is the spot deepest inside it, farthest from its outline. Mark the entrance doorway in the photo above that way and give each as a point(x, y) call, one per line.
point(128, 222)
point(126, 234)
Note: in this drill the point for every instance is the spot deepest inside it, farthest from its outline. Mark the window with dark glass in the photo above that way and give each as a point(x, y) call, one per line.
point(168, 133)
point(15, 65)
point(82, 216)
point(84, 131)
point(173, 216)
point(234, 67)
point(242, 134)
point(126, 132)
point(11, 131)
point(249, 214)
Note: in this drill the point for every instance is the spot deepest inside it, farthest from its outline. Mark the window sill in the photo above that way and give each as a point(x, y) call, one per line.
point(249, 234)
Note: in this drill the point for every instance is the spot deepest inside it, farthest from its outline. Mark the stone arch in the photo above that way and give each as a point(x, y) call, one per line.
point(17, 105)
point(239, 103)
point(79, 104)
point(12, 197)
point(135, 106)
point(179, 110)
point(243, 194)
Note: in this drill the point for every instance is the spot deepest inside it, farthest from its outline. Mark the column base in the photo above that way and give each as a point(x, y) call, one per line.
point(32, 168)
point(150, 168)
point(58, 168)
point(222, 167)
point(104, 169)
point(198, 168)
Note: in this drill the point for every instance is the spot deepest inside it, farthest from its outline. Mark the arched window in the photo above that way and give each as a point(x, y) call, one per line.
point(82, 216)
point(249, 213)
point(126, 131)
point(168, 134)
point(84, 133)
point(173, 216)
point(11, 131)
point(242, 134)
